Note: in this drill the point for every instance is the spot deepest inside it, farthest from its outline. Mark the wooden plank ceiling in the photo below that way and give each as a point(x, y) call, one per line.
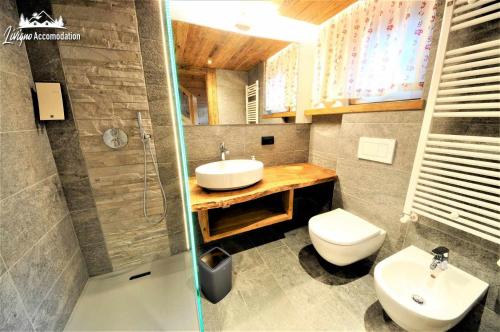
point(312, 11)
point(195, 44)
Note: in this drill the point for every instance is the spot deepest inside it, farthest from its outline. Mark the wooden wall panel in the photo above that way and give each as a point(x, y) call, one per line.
point(213, 112)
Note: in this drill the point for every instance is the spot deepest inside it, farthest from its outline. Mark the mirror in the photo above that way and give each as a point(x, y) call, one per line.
point(221, 75)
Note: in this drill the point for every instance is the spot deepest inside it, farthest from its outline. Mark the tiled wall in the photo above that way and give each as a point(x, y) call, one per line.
point(63, 136)
point(42, 270)
point(150, 36)
point(291, 143)
point(106, 84)
point(377, 191)
point(231, 86)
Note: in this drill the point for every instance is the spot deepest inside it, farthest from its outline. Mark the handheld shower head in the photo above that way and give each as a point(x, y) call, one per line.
point(141, 128)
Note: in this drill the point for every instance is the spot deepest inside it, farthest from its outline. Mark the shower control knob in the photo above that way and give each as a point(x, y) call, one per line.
point(115, 138)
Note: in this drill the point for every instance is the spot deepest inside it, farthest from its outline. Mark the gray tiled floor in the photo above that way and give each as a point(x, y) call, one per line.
point(280, 284)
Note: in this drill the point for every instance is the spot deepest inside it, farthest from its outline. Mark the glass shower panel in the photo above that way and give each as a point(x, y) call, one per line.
point(176, 107)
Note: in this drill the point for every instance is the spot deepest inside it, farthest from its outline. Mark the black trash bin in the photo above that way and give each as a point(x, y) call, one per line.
point(215, 274)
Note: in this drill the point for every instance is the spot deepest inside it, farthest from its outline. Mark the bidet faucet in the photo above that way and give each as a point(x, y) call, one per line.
point(223, 150)
point(440, 258)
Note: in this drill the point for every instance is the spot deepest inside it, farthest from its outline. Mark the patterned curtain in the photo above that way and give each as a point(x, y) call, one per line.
point(374, 48)
point(282, 74)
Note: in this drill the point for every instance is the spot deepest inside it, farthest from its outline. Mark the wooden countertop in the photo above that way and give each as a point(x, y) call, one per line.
point(276, 179)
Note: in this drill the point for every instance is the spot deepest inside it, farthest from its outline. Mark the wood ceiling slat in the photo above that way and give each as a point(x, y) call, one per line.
point(195, 44)
point(312, 11)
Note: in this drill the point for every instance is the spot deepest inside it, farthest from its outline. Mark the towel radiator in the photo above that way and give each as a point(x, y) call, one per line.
point(456, 178)
point(252, 102)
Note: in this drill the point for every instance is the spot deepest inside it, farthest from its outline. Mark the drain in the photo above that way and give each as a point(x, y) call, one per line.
point(417, 298)
point(140, 275)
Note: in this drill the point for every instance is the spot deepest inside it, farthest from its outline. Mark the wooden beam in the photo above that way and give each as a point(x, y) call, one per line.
point(213, 112)
point(203, 221)
point(389, 106)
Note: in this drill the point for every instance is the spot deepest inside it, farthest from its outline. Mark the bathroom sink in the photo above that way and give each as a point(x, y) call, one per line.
point(229, 174)
point(418, 302)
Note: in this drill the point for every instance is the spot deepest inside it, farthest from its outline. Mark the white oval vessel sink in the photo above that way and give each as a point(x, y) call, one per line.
point(446, 299)
point(229, 174)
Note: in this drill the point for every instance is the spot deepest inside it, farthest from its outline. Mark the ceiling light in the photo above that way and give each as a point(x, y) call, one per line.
point(242, 26)
point(209, 61)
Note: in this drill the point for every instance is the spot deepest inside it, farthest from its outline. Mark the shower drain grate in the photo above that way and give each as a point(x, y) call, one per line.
point(140, 275)
point(417, 298)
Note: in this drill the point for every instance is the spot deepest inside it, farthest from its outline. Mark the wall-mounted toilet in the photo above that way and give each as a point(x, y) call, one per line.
point(342, 238)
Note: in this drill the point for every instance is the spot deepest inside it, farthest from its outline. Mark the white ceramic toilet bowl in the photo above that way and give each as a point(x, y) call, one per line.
point(342, 238)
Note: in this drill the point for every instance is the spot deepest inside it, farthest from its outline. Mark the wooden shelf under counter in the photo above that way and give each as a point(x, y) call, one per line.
point(270, 201)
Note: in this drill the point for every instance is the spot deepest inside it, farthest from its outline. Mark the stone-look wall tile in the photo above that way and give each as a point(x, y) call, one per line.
point(67, 154)
point(324, 141)
point(117, 5)
point(74, 56)
point(149, 23)
point(170, 179)
point(406, 136)
point(115, 184)
point(384, 117)
point(16, 106)
point(153, 63)
point(28, 215)
point(361, 180)
point(145, 244)
point(78, 192)
point(97, 127)
point(36, 239)
point(35, 273)
point(202, 142)
point(160, 113)
point(165, 144)
point(177, 243)
point(291, 143)
point(87, 227)
point(97, 259)
point(231, 89)
point(55, 310)
point(26, 159)
point(3, 268)
point(102, 28)
point(13, 58)
point(106, 81)
point(13, 316)
point(287, 138)
point(151, 40)
point(8, 9)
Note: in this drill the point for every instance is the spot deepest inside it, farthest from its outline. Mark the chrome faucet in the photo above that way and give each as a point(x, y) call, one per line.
point(223, 151)
point(440, 258)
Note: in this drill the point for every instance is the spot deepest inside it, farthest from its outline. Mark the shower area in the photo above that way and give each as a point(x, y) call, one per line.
point(93, 230)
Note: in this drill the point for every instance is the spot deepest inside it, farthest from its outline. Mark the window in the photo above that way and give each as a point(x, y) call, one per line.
point(374, 51)
point(282, 73)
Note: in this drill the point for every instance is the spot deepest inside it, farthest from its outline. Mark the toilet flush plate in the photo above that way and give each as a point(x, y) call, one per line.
point(377, 149)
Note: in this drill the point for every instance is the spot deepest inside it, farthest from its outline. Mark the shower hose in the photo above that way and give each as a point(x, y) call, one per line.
point(146, 142)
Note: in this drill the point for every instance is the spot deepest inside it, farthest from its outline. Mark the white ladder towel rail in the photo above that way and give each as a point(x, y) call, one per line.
point(456, 178)
point(252, 102)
